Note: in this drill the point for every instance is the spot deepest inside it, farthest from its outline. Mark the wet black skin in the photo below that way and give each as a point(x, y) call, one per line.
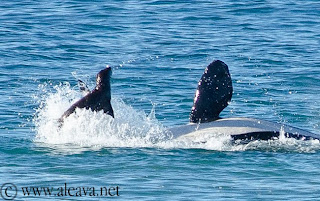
point(212, 96)
point(213, 93)
point(98, 99)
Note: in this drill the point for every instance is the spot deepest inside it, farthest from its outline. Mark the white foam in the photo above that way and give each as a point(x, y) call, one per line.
point(129, 128)
point(86, 129)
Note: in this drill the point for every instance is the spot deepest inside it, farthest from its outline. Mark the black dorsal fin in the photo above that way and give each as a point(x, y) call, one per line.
point(213, 93)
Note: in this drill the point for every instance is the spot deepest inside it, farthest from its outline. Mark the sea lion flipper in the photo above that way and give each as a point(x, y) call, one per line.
point(108, 109)
point(83, 87)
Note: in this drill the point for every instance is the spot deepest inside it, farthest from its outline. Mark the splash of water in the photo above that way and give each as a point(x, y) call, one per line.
point(130, 128)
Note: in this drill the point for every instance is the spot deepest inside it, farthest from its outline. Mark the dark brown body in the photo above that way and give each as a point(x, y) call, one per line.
point(98, 99)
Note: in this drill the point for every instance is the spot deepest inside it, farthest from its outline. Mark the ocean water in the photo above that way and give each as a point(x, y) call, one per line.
point(158, 51)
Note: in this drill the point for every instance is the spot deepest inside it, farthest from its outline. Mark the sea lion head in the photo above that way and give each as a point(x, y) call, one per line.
point(103, 77)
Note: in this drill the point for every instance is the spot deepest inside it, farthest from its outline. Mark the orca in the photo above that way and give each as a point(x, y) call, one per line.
point(241, 128)
point(97, 99)
point(213, 94)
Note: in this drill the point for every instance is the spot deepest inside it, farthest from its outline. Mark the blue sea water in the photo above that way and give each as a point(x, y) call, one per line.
point(158, 51)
